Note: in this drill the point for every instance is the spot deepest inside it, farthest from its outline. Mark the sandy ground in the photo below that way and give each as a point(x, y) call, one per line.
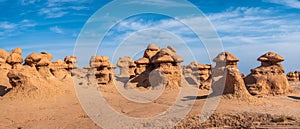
point(65, 112)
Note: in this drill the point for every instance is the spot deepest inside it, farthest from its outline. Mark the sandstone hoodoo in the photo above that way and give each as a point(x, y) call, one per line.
point(100, 67)
point(227, 79)
point(43, 68)
point(59, 69)
point(165, 62)
point(269, 78)
point(201, 73)
point(32, 59)
point(293, 76)
point(127, 66)
point(15, 58)
point(3, 57)
point(71, 62)
point(204, 75)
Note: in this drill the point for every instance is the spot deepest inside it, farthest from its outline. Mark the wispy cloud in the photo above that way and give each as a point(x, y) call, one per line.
point(160, 3)
point(9, 29)
point(60, 8)
point(6, 25)
point(242, 30)
point(56, 30)
point(287, 3)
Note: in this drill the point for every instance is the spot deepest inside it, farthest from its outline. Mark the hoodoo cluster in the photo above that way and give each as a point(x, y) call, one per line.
point(35, 71)
point(158, 66)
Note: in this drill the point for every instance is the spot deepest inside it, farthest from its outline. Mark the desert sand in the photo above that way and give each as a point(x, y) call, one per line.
point(42, 94)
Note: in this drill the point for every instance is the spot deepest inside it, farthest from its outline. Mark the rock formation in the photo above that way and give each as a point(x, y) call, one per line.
point(204, 73)
point(127, 66)
point(227, 79)
point(71, 62)
point(100, 68)
point(59, 69)
point(141, 65)
point(158, 62)
point(293, 76)
point(32, 59)
point(200, 74)
point(15, 58)
point(269, 78)
point(3, 58)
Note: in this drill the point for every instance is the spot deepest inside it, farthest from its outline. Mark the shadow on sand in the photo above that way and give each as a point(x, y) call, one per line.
point(294, 97)
point(4, 90)
point(187, 98)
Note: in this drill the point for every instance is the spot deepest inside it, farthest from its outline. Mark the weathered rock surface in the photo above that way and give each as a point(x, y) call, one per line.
point(227, 79)
point(269, 78)
point(127, 66)
point(293, 76)
point(165, 61)
point(15, 58)
point(200, 74)
point(100, 70)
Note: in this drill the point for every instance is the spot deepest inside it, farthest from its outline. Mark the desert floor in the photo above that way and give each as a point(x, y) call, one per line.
point(62, 111)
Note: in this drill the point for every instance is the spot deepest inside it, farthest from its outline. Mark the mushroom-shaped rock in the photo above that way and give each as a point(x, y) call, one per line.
point(124, 65)
point(151, 50)
point(142, 61)
point(166, 55)
point(271, 57)
point(141, 65)
point(32, 59)
point(99, 61)
point(227, 79)
point(269, 78)
point(47, 55)
point(71, 61)
point(101, 70)
point(43, 69)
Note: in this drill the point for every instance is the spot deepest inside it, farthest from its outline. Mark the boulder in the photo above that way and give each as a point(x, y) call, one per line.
point(15, 58)
point(32, 59)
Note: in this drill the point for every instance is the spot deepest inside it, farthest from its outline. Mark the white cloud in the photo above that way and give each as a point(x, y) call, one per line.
point(160, 3)
point(287, 3)
point(247, 32)
point(7, 25)
point(9, 29)
point(56, 29)
point(60, 8)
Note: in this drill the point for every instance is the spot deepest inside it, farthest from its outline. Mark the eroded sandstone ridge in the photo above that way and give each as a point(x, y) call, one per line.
point(158, 66)
point(269, 78)
point(227, 79)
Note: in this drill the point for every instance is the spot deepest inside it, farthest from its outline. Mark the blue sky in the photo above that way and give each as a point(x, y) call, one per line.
point(247, 28)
